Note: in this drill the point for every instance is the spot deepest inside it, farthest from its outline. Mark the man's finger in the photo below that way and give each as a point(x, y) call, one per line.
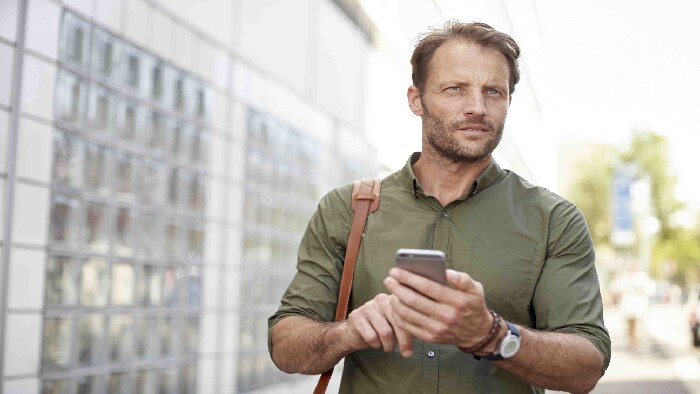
point(364, 328)
point(420, 284)
point(384, 330)
point(464, 282)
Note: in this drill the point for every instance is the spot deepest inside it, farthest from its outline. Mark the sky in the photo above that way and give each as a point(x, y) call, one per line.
point(605, 67)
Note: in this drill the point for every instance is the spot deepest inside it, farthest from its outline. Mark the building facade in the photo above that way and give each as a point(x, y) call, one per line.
point(160, 161)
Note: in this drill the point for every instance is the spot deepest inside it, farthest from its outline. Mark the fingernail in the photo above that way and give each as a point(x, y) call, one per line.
point(407, 353)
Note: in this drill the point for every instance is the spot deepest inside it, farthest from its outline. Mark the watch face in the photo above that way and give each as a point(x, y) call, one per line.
point(510, 346)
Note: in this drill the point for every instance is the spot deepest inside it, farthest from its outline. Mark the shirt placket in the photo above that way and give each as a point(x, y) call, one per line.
point(431, 352)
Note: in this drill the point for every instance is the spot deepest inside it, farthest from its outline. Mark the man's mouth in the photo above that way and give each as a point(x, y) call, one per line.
point(474, 127)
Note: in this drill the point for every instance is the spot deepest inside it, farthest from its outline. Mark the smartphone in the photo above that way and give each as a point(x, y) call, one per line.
point(425, 262)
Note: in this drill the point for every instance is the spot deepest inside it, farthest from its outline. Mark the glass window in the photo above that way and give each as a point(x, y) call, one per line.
point(188, 379)
point(132, 68)
point(202, 102)
point(153, 182)
point(126, 164)
point(168, 381)
point(153, 279)
point(90, 339)
point(120, 338)
point(157, 79)
point(130, 120)
point(147, 382)
point(102, 106)
point(195, 242)
point(86, 384)
point(68, 156)
point(71, 93)
point(120, 383)
point(175, 139)
point(174, 240)
point(125, 235)
point(97, 227)
point(191, 335)
point(61, 278)
point(199, 152)
point(123, 282)
point(57, 343)
point(155, 137)
point(173, 178)
point(94, 282)
point(75, 40)
point(105, 53)
point(170, 286)
point(198, 193)
point(55, 386)
point(98, 164)
point(65, 221)
point(168, 330)
point(150, 241)
point(184, 183)
point(179, 98)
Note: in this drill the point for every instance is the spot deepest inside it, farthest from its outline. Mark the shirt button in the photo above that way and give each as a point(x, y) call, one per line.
point(431, 354)
point(444, 214)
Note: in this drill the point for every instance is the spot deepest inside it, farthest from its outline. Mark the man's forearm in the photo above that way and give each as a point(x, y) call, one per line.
point(303, 345)
point(556, 361)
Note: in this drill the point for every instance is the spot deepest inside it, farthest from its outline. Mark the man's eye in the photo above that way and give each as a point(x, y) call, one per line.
point(493, 92)
point(454, 88)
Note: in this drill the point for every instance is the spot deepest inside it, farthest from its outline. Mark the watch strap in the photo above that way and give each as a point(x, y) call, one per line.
point(513, 331)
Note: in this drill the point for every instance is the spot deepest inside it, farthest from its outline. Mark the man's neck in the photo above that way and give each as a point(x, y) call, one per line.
point(445, 179)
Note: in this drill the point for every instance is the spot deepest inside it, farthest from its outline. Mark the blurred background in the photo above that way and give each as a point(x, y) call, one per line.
point(159, 160)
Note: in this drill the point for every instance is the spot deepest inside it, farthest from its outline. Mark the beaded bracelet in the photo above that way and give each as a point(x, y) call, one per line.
point(489, 337)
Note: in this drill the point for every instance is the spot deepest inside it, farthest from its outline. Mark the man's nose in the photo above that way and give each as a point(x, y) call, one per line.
point(474, 104)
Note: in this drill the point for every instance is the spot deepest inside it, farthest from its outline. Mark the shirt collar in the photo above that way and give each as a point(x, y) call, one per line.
point(487, 178)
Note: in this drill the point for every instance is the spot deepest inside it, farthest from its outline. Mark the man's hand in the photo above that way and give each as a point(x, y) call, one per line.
point(436, 313)
point(373, 325)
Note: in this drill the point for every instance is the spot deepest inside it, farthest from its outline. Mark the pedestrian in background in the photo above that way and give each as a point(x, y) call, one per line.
point(632, 288)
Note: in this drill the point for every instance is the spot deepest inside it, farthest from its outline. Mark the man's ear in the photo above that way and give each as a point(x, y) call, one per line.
point(414, 100)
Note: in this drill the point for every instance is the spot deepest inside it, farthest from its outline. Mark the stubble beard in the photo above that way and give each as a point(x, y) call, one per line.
point(442, 138)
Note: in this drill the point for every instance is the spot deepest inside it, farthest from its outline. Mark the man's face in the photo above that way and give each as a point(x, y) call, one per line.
point(464, 102)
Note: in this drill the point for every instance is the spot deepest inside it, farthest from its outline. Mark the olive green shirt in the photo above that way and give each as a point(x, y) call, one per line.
point(530, 248)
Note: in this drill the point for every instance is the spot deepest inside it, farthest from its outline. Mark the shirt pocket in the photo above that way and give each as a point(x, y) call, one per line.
point(504, 266)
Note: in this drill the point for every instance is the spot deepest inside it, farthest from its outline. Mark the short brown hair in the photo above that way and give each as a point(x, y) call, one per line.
point(477, 33)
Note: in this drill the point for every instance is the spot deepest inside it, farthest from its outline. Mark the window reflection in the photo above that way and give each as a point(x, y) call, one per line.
point(104, 53)
point(57, 343)
point(61, 286)
point(68, 156)
point(55, 386)
point(90, 339)
point(124, 231)
point(71, 93)
point(129, 187)
point(75, 39)
point(66, 221)
point(94, 282)
point(120, 337)
point(122, 284)
point(101, 109)
point(97, 227)
point(98, 161)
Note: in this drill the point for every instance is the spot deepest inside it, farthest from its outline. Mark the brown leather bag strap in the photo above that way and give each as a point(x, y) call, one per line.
point(365, 199)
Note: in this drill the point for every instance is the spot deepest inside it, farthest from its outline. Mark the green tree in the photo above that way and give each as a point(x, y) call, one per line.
point(649, 151)
point(590, 189)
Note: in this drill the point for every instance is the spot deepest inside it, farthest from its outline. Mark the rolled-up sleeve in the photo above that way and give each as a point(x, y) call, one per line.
point(567, 297)
point(313, 292)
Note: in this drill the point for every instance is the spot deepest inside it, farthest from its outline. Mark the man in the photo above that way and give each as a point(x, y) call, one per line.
point(512, 248)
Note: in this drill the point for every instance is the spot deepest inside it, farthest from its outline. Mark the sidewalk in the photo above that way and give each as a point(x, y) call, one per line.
point(665, 363)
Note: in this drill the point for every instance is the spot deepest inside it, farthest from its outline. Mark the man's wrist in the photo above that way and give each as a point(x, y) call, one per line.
point(492, 346)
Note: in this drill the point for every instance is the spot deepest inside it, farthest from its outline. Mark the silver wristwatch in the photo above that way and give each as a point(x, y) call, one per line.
point(508, 346)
